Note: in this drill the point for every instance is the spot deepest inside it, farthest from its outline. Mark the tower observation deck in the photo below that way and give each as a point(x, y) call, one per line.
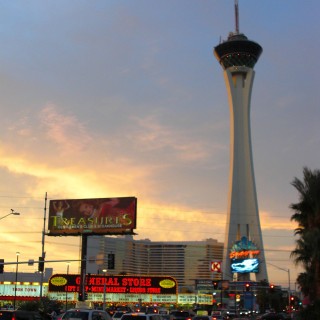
point(243, 247)
point(238, 51)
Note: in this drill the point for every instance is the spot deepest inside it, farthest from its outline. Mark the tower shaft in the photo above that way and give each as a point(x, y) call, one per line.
point(243, 213)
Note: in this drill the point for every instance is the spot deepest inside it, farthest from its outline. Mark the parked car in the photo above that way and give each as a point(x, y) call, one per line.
point(20, 315)
point(86, 314)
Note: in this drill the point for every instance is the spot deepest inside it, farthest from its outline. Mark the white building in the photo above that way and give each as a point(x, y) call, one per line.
point(186, 261)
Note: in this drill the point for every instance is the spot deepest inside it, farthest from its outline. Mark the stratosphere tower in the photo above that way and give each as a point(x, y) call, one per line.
point(243, 247)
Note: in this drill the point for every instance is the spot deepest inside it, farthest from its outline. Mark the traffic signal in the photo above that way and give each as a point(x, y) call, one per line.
point(80, 296)
point(292, 300)
point(215, 285)
point(110, 261)
point(85, 296)
point(41, 264)
point(1, 265)
point(271, 288)
point(247, 287)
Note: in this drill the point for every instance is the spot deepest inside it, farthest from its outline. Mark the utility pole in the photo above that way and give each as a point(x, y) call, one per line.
point(43, 254)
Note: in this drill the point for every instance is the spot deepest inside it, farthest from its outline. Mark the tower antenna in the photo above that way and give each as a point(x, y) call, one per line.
point(236, 11)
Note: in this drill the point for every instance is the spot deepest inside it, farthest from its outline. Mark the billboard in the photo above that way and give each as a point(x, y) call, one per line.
point(100, 216)
point(245, 265)
point(114, 284)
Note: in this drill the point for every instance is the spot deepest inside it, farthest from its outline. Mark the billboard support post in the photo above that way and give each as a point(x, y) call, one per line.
point(83, 267)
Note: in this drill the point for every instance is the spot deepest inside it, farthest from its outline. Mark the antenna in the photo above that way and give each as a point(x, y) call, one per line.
point(236, 11)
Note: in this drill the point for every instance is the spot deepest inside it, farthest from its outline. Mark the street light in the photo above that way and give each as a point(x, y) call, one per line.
point(68, 264)
point(289, 289)
point(15, 284)
point(11, 213)
point(104, 290)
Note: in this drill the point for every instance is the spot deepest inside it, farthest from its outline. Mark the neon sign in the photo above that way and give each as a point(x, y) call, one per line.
point(113, 284)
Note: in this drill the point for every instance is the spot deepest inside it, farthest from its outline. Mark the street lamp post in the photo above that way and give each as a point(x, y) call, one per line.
point(104, 290)
point(15, 284)
point(289, 289)
point(11, 213)
point(68, 264)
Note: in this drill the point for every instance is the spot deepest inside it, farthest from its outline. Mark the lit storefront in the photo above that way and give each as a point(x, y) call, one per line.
point(118, 289)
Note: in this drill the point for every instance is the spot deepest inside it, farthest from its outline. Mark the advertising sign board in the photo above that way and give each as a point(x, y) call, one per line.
point(100, 216)
point(114, 284)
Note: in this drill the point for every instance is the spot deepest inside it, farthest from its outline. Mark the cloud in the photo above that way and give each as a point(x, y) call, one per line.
point(270, 220)
point(66, 132)
point(150, 135)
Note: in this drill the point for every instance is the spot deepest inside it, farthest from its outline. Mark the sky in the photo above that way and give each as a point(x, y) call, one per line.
point(125, 98)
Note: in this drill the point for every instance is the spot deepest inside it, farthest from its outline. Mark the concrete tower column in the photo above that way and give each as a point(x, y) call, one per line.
point(238, 56)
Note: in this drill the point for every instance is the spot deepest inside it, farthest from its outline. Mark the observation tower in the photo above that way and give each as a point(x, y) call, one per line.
point(243, 246)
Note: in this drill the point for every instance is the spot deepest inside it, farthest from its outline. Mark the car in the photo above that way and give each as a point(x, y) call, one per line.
point(117, 315)
point(20, 315)
point(217, 317)
point(123, 308)
point(86, 314)
point(199, 317)
point(59, 316)
point(151, 309)
point(141, 316)
point(7, 307)
point(141, 309)
point(181, 315)
point(165, 314)
point(111, 310)
point(284, 316)
point(269, 316)
point(230, 314)
point(244, 312)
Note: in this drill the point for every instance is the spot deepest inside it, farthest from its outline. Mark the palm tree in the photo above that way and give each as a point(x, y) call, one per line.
point(307, 215)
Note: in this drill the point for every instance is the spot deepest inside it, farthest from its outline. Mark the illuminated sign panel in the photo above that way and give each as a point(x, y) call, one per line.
point(114, 284)
point(244, 257)
point(245, 265)
point(21, 290)
point(92, 216)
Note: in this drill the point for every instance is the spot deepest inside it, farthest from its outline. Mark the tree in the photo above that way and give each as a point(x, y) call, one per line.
point(263, 296)
point(307, 215)
point(45, 306)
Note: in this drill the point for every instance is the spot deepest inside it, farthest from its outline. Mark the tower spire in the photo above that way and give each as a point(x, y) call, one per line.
point(236, 11)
